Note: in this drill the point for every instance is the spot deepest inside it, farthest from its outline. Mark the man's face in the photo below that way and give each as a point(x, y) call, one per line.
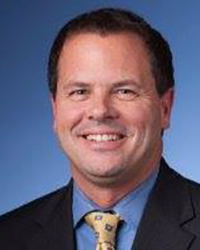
point(107, 113)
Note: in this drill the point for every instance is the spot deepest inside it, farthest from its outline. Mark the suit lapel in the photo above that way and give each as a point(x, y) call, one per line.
point(167, 215)
point(54, 228)
point(167, 223)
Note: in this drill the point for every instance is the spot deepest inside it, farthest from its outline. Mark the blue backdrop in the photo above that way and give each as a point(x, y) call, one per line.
point(31, 163)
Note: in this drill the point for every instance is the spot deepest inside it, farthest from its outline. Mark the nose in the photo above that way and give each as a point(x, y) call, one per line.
point(102, 109)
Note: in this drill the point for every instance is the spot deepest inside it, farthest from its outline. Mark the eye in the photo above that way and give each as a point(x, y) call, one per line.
point(78, 94)
point(126, 94)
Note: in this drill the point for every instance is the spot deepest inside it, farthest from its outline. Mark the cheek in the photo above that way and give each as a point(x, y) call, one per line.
point(142, 118)
point(136, 116)
point(67, 117)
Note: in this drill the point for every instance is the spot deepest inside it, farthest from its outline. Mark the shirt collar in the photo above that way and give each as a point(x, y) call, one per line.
point(130, 207)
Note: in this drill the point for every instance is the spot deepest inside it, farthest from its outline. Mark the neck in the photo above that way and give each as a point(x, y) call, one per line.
point(106, 196)
point(106, 192)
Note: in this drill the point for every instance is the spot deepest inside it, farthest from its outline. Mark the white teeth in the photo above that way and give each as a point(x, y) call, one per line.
point(103, 137)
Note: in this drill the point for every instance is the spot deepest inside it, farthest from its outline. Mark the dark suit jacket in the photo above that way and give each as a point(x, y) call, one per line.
point(171, 219)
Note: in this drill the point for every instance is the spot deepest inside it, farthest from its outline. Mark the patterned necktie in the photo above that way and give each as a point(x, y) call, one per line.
point(105, 226)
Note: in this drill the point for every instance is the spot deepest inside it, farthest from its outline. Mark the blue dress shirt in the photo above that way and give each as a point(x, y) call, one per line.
point(130, 208)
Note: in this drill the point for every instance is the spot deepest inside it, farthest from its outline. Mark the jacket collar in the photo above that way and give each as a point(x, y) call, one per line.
point(168, 215)
point(55, 223)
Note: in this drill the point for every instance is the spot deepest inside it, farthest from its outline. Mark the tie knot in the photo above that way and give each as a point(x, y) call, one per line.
point(105, 227)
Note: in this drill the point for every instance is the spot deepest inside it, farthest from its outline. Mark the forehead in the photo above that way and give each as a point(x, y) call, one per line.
point(108, 56)
point(113, 41)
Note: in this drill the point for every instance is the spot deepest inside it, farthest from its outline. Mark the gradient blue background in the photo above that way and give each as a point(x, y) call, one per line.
point(31, 163)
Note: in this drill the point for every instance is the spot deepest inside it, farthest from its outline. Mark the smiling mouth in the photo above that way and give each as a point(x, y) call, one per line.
point(103, 137)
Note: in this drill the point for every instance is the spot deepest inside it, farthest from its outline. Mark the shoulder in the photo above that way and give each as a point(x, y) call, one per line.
point(21, 225)
point(33, 206)
point(170, 176)
point(194, 189)
point(176, 188)
point(185, 183)
point(23, 217)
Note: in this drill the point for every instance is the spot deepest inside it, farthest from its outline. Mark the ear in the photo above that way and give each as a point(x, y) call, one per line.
point(53, 106)
point(166, 102)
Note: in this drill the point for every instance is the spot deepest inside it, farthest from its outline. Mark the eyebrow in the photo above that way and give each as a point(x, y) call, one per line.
point(75, 84)
point(126, 82)
point(117, 84)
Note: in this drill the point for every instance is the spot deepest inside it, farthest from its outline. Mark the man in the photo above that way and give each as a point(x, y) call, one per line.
point(112, 85)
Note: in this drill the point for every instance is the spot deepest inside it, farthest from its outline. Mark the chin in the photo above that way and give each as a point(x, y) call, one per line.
point(104, 171)
point(103, 180)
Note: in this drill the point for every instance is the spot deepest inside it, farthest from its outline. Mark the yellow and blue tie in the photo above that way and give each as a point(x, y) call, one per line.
point(105, 226)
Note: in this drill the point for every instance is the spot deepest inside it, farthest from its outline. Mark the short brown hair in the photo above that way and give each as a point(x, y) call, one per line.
point(111, 21)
